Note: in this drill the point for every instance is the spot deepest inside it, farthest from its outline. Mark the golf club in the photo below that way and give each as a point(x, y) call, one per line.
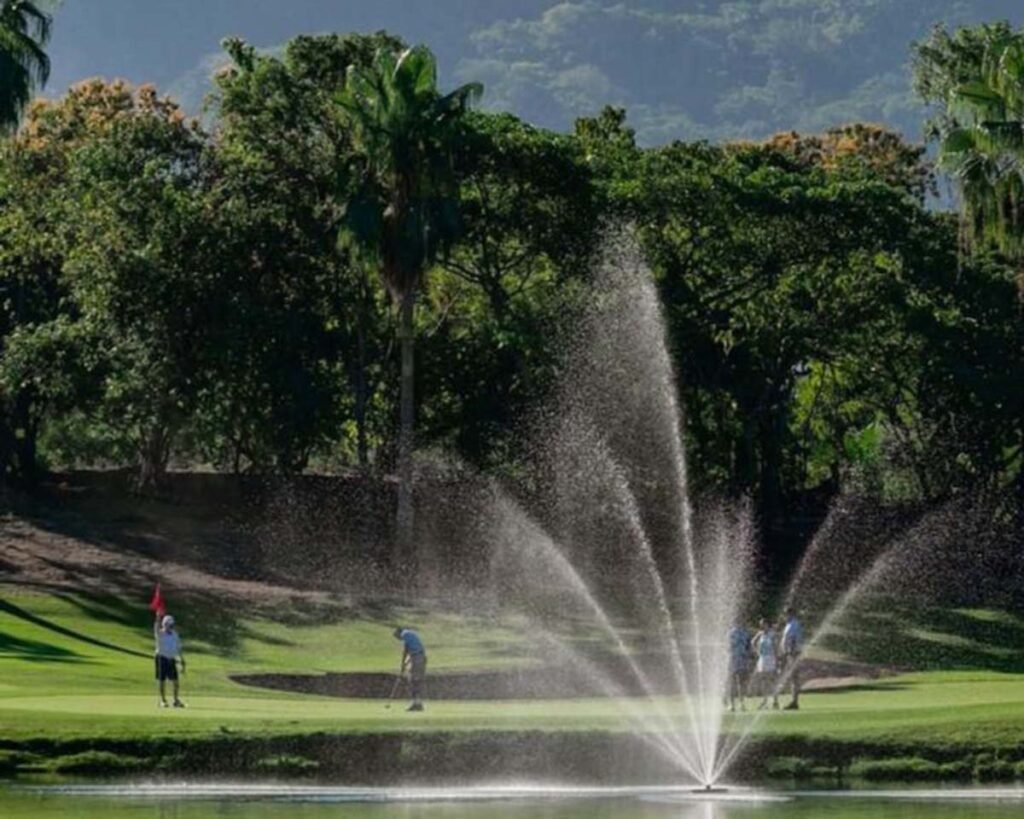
point(394, 689)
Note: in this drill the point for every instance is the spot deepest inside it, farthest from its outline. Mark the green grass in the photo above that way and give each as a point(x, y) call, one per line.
point(74, 667)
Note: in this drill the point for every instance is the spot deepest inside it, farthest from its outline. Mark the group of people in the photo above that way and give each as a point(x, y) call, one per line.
point(169, 655)
point(765, 662)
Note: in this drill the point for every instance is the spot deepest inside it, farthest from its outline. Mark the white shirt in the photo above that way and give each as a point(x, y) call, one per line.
point(168, 645)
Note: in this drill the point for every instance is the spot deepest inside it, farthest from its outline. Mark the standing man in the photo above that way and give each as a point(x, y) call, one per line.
point(414, 657)
point(739, 665)
point(168, 653)
point(792, 645)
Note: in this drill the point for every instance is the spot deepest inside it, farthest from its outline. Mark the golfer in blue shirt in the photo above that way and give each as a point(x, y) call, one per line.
point(414, 657)
point(739, 666)
point(792, 646)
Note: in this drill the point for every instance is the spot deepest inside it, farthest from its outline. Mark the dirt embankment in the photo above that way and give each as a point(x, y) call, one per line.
point(206, 536)
point(249, 540)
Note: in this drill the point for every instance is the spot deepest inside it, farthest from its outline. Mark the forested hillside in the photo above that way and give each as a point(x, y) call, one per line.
point(683, 70)
point(717, 70)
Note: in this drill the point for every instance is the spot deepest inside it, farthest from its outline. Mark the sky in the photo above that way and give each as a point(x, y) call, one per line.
point(161, 40)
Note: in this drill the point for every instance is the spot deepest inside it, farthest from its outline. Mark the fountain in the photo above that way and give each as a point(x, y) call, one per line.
point(604, 536)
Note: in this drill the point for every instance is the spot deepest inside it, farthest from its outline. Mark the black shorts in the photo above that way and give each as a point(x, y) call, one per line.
point(740, 669)
point(166, 668)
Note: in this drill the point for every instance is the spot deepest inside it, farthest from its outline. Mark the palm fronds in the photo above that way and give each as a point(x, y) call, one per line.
point(983, 147)
point(24, 64)
point(403, 133)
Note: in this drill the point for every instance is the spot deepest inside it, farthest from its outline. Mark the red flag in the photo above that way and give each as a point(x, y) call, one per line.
point(157, 603)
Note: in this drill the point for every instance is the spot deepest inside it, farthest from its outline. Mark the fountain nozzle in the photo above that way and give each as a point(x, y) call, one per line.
point(709, 787)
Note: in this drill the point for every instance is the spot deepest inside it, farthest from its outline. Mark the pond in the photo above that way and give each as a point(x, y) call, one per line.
point(283, 802)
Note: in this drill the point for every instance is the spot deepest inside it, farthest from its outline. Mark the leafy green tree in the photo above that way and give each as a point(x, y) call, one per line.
point(859, 148)
point(24, 64)
point(611, 153)
point(531, 221)
point(527, 202)
point(405, 208)
point(140, 263)
point(31, 294)
point(284, 156)
point(767, 265)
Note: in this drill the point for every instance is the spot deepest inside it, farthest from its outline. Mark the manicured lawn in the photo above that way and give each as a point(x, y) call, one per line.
point(933, 708)
point(72, 667)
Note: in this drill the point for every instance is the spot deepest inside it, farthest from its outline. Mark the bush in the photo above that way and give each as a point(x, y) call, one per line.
point(172, 763)
point(790, 766)
point(900, 769)
point(287, 765)
point(14, 761)
point(97, 762)
point(989, 768)
point(962, 769)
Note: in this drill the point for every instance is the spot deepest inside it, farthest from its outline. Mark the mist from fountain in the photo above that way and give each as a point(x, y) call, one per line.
point(610, 491)
point(897, 560)
point(613, 465)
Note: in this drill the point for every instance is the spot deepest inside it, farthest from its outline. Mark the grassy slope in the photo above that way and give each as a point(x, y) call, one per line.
point(77, 667)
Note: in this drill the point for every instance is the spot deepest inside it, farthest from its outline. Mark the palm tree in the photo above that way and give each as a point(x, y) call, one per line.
point(404, 211)
point(983, 148)
point(24, 66)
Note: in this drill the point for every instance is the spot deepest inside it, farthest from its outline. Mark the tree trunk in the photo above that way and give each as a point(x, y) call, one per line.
point(404, 519)
point(28, 466)
point(154, 453)
point(26, 434)
point(6, 452)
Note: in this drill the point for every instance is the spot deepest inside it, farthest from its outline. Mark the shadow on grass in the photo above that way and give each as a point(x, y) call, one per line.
point(930, 638)
point(107, 608)
point(35, 651)
point(867, 687)
point(29, 617)
point(199, 619)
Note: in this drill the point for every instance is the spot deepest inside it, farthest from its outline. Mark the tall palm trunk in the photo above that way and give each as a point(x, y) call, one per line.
point(407, 416)
point(362, 387)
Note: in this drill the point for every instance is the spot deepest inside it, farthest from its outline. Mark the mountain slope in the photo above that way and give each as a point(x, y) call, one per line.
point(684, 68)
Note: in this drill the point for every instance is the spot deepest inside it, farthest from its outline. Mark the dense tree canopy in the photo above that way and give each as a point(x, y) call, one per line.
point(226, 294)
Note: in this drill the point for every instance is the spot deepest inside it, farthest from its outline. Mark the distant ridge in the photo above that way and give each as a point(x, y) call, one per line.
point(685, 69)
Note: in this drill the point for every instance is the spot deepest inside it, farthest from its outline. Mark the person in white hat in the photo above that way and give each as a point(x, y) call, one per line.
point(168, 654)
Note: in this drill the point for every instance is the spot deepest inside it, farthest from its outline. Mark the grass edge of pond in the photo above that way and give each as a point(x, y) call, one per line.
point(425, 757)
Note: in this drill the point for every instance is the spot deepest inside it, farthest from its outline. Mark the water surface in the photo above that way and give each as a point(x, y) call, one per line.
point(271, 802)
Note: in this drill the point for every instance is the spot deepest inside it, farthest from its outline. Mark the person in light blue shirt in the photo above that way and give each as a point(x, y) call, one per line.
point(739, 666)
point(792, 646)
point(414, 657)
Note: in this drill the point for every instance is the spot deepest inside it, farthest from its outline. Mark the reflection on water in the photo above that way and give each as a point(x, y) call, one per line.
point(282, 802)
